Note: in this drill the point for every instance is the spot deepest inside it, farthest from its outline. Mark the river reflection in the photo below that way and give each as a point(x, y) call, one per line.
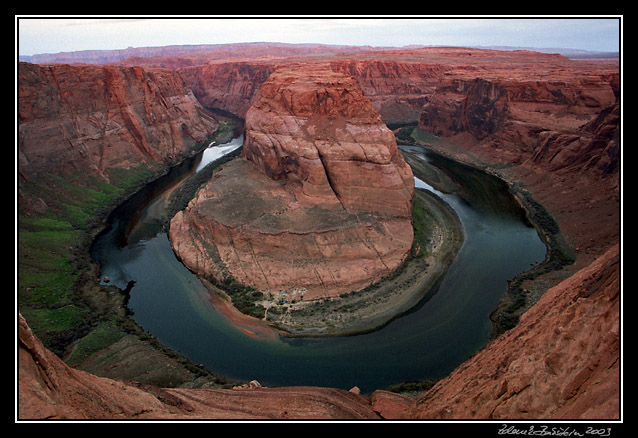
point(170, 303)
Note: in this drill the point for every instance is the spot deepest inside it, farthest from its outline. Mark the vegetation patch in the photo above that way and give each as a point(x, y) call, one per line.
point(102, 336)
point(422, 223)
point(413, 388)
point(53, 247)
point(244, 298)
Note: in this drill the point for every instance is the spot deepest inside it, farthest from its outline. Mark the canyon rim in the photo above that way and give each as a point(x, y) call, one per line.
point(547, 125)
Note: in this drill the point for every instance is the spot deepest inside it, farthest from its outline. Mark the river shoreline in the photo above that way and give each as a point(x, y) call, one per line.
point(353, 314)
point(374, 307)
point(403, 294)
point(525, 289)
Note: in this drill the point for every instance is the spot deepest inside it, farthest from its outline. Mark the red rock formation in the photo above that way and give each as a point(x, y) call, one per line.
point(398, 89)
point(322, 203)
point(594, 149)
point(507, 117)
point(232, 86)
point(557, 131)
point(87, 119)
point(314, 127)
point(400, 82)
point(562, 361)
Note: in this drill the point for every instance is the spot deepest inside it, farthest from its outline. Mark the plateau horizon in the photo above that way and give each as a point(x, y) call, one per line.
point(36, 35)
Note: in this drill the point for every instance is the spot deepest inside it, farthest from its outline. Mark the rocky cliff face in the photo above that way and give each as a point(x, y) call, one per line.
point(87, 119)
point(509, 117)
point(321, 204)
point(315, 128)
point(560, 136)
point(561, 362)
point(397, 89)
point(232, 86)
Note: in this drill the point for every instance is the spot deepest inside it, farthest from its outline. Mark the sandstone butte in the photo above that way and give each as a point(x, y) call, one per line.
point(551, 124)
point(320, 204)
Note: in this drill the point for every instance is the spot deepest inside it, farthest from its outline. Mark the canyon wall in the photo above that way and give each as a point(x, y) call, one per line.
point(232, 86)
point(558, 136)
point(86, 119)
point(510, 118)
point(542, 122)
point(397, 89)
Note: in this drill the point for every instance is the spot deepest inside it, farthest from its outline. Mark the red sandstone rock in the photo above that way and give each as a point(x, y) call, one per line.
point(506, 118)
point(87, 119)
point(562, 361)
point(320, 206)
point(397, 88)
point(314, 128)
point(232, 86)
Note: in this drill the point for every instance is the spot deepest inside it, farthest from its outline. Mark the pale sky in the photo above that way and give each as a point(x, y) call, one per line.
point(51, 34)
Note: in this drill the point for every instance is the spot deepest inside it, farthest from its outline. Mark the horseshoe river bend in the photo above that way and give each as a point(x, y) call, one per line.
point(449, 324)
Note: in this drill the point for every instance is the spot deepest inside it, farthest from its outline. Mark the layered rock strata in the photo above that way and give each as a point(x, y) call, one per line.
point(507, 119)
point(232, 86)
point(558, 136)
point(87, 119)
point(319, 205)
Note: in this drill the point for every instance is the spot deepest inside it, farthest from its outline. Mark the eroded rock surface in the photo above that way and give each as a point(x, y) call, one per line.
point(89, 119)
point(562, 361)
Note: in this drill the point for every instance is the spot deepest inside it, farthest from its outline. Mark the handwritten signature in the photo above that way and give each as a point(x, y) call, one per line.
point(554, 431)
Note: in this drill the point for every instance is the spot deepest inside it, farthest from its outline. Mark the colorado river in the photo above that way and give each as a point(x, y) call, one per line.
point(171, 303)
